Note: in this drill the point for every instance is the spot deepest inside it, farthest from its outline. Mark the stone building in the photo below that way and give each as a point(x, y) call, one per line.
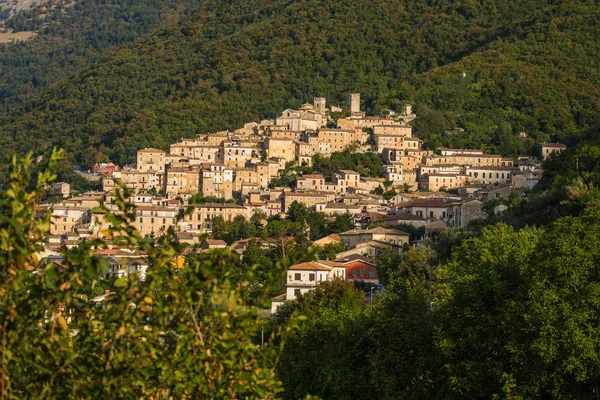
point(203, 215)
point(216, 180)
point(151, 160)
point(550, 148)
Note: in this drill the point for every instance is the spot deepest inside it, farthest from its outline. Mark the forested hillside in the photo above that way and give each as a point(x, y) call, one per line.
point(228, 63)
point(72, 35)
point(541, 78)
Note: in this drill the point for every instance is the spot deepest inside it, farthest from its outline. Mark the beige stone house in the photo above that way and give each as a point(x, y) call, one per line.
point(352, 238)
point(395, 130)
point(339, 139)
point(203, 215)
point(430, 209)
point(151, 160)
point(550, 148)
point(308, 198)
point(489, 175)
point(216, 180)
point(182, 180)
point(281, 148)
point(65, 218)
point(154, 219)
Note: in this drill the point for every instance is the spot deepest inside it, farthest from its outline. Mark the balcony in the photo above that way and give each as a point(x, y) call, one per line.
point(302, 284)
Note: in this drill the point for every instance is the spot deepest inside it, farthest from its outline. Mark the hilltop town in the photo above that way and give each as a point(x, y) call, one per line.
point(299, 199)
point(238, 175)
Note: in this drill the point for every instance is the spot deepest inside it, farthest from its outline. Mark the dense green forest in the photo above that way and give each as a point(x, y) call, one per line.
point(529, 66)
point(72, 35)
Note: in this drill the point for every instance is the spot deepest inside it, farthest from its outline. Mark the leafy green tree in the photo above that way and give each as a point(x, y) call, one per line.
point(483, 297)
point(240, 228)
point(298, 212)
point(326, 355)
point(387, 262)
point(329, 251)
point(406, 363)
point(219, 228)
point(125, 344)
point(257, 219)
point(265, 276)
point(560, 309)
point(341, 223)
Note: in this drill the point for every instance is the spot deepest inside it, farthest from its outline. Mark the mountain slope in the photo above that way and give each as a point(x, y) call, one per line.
point(71, 35)
point(543, 80)
point(230, 63)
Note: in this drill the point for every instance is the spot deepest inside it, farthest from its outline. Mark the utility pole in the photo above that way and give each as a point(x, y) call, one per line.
point(371, 298)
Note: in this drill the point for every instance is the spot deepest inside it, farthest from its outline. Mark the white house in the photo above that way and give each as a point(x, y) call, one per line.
point(304, 277)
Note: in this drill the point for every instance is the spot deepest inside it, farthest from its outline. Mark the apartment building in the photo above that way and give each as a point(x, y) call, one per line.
point(237, 155)
point(308, 198)
point(281, 148)
point(434, 182)
point(393, 129)
point(203, 215)
point(151, 160)
point(489, 175)
point(64, 218)
point(339, 139)
point(216, 180)
point(153, 219)
point(182, 180)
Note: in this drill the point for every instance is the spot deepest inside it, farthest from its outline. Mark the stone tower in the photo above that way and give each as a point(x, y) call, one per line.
point(354, 102)
point(319, 104)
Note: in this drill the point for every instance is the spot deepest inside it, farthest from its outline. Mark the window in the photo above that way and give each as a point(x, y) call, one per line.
point(298, 277)
point(354, 272)
point(372, 273)
point(296, 292)
point(362, 272)
point(311, 277)
point(430, 214)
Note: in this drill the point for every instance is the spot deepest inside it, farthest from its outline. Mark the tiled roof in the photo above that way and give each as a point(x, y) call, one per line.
point(405, 217)
point(556, 145)
point(216, 242)
point(428, 203)
point(309, 266)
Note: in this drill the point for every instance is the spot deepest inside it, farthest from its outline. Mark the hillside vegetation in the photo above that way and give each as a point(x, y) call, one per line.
point(71, 35)
point(541, 79)
point(228, 63)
